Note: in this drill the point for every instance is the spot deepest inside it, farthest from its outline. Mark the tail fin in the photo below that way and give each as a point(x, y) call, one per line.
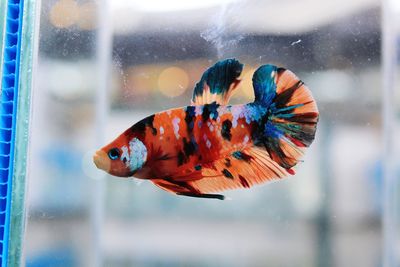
point(292, 116)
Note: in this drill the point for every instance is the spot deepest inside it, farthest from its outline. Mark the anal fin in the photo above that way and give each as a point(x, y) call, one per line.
point(241, 169)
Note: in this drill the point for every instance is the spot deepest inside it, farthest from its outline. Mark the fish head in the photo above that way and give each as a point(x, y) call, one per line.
point(123, 157)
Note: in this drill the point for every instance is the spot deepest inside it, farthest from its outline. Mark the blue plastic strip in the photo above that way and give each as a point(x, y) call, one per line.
point(8, 110)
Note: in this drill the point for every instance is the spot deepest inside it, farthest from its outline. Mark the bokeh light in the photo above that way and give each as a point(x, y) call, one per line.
point(64, 13)
point(87, 16)
point(173, 81)
point(139, 80)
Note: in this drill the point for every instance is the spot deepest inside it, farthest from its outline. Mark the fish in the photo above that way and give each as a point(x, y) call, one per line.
point(210, 146)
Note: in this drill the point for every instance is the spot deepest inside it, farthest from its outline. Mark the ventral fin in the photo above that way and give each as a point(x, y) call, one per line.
point(217, 83)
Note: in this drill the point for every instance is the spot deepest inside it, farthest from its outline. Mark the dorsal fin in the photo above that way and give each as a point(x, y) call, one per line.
point(218, 83)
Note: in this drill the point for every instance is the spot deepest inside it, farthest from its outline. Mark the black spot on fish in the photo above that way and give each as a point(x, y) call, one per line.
point(256, 128)
point(280, 70)
point(227, 174)
point(189, 147)
point(140, 127)
point(189, 118)
point(243, 181)
point(210, 111)
point(228, 162)
point(206, 114)
point(181, 158)
point(197, 167)
point(149, 123)
point(124, 160)
point(226, 130)
point(242, 156)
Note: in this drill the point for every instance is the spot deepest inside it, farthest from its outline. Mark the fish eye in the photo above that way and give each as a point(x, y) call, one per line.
point(113, 153)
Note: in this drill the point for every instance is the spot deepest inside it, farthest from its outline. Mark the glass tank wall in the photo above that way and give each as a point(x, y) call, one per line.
point(328, 214)
point(391, 145)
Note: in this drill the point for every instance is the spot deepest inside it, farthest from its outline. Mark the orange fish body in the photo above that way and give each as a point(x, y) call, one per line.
point(210, 146)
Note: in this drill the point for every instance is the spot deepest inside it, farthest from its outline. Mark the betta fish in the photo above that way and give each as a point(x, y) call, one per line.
point(210, 146)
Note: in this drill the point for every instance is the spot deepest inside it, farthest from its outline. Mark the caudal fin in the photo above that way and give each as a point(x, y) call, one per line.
point(292, 116)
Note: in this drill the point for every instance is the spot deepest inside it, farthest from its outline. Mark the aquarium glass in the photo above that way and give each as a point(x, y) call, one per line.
point(104, 65)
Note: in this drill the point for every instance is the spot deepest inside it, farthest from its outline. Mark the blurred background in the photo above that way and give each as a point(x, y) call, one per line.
point(146, 56)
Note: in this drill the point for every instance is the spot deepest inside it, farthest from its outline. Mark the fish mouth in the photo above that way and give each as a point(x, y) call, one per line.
point(101, 160)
